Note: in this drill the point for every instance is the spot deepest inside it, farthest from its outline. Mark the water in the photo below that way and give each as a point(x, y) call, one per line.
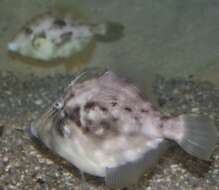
point(172, 38)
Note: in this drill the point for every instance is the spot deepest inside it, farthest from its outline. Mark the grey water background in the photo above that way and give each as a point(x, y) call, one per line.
point(172, 37)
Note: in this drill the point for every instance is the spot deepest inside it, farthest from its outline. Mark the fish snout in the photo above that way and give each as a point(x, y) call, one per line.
point(32, 131)
point(12, 47)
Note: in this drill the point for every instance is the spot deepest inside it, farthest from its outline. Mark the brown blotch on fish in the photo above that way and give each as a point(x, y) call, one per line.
point(41, 35)
point(66, 36)
point(74, 115)
point(128, 109)
point(114, 104)
point(90, 105)
point(28, 30)
point(165, 118)
point(59, 22)
point(144, 110)
point(86, 129)
point(102, 108)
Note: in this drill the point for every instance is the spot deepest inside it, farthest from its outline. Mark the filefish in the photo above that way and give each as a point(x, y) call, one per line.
point(50, 36)
point(104, 126)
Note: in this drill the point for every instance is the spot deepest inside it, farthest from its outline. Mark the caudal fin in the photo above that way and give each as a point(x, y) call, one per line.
point(196, 135)
point(108, 32)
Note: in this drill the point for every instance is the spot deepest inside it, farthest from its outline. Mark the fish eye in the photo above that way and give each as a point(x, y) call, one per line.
point(39, 39)
point(58, 105)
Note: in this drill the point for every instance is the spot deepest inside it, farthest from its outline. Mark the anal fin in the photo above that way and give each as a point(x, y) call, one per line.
point(130, 172)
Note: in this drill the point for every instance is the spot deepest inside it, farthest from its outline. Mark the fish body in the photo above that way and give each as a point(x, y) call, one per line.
point(106, 128)
point(50, 37)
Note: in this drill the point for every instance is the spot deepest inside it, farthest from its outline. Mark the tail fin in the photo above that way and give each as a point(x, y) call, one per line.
point(197, 136)
point(108, 32)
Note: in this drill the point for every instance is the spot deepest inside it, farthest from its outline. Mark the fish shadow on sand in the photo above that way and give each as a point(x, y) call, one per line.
point(195, 166)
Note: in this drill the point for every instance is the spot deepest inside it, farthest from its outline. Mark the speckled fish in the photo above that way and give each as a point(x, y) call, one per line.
point(105, 127)
point(49, 37)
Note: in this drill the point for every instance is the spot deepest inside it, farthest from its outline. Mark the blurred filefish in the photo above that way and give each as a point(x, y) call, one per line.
point(105, 127)
point(48, 37)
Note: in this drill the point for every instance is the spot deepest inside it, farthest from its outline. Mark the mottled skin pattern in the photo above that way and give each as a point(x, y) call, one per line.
point(108, 103)
point(108, 118)
point(49, 37)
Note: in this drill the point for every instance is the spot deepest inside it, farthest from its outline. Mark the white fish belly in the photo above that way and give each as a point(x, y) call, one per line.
point(95, 160)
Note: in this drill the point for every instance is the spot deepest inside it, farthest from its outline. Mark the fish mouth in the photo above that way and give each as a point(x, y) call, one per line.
point(33, 135)
point(32, 131)
point(12, 47)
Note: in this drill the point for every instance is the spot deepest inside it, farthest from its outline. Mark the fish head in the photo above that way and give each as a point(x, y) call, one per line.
point(50, 126)
point(31, 44)
point(21, 43)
